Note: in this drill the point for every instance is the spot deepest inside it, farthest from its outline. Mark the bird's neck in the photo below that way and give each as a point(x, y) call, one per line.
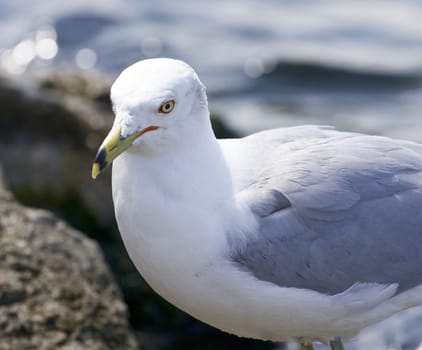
point(195, 172)
point(168, 209)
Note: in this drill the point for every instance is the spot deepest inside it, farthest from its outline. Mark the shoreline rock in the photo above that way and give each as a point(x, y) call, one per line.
point(56, 291)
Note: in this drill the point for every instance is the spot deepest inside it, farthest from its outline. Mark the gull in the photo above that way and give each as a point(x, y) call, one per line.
point(303, 234)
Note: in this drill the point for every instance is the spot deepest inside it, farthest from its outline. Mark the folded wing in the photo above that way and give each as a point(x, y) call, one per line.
point(333, 209)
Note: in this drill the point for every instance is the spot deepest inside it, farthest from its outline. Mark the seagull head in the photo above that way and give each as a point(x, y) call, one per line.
point(157, 104)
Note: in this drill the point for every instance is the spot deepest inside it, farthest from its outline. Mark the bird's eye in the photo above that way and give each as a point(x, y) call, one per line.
point(166, 107)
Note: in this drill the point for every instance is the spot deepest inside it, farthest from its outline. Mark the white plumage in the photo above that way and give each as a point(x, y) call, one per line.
point(303, 233)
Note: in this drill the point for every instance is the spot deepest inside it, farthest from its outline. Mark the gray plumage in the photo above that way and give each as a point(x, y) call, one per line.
point(333, 209)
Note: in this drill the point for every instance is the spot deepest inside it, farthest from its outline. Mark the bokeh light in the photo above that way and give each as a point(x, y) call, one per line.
point(46, 48)
point(86, 58)
point(24, 52)
point(254, 67)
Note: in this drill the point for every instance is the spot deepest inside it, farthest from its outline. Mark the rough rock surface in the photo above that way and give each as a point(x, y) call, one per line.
point(56, 293)
point(50, 128)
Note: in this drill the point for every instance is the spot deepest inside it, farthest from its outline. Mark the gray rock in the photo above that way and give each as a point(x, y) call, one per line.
point(50, 128)
point(56, 291)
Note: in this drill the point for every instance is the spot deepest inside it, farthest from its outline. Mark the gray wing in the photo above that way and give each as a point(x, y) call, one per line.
point(333, 209)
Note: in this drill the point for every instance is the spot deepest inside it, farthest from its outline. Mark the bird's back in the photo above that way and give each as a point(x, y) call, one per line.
point(333, 209)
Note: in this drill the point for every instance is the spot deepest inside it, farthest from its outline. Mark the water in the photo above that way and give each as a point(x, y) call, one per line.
point(356, 65)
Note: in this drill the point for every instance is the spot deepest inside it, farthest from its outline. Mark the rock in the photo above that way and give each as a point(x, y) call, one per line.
point(56, 291)
point(221, 130)
point(85, 84)
point(48, 139)
point(4, 194)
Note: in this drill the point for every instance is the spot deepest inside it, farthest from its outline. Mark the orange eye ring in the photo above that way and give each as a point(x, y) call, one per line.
point(167, 106)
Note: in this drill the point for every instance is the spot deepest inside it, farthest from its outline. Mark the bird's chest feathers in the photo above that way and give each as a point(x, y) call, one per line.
point(168, 239)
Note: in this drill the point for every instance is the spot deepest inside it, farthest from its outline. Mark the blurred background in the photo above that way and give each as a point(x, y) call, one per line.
point(356, 65)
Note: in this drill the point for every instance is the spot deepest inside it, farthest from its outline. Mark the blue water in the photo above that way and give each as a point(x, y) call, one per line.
point(356, 65)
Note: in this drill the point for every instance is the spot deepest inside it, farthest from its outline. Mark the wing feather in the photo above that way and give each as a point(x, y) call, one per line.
point(336, 208)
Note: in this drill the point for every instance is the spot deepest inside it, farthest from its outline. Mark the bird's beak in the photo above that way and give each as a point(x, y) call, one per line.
point(114, 145)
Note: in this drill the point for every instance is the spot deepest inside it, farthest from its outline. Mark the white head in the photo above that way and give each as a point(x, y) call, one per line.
point(159, 104)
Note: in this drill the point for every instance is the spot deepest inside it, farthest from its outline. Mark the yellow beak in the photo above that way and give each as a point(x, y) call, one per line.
point(114, 145)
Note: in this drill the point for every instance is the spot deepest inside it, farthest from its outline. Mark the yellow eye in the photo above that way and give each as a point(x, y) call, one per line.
point(167, 106)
